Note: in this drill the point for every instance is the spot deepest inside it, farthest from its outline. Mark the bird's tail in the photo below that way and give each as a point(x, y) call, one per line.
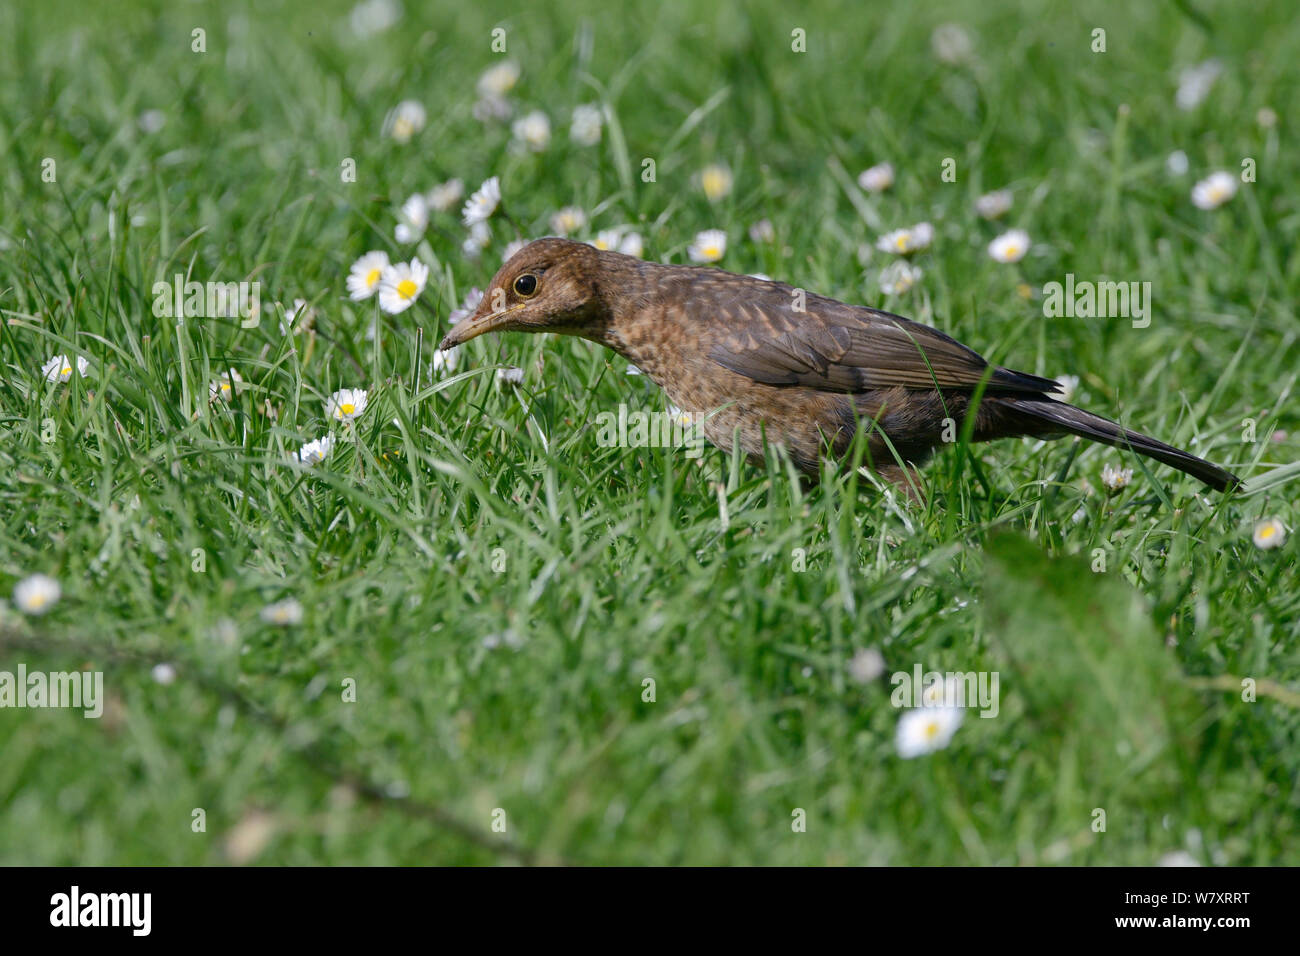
point(1045, 416)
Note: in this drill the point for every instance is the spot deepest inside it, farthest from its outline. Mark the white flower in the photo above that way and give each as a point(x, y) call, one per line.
point(401, 285)
point(923, 730)
point(492, 108)
point(607, 240)
point(374, 16)
point(878, 178)
point(510, 375)
point(224, 386)
point(498, 80)
point(467, 308)
point(585, 129)
point(1010, 246)
point(346, 404)
point(404, 120)
point(1177, 163)
point(151, 121)
point(951, 43)
point(1270, 533)
point(483, 203)
point(314, 452)
point(708, 246)
point(443, 197)
point(1266, 117)
point(36, 594)
point(1115, 480)
point(899, 277)
point(1069, 385)
point(59, 368)
point(512, 247)
point(631, 245)
point(164, 674)
point(994, 204)
point(1178, 858)
point(533, 130)
point(445, 362)
point(297, 313)
point(1213, 191)
point(716, 181)
point(480, 234)
point(906, 241)
point(1194, 83)
point(567, 220)
point(283, 613)
point(364, 276)
point(414, 219)
point(762, 231)
point(866, 665)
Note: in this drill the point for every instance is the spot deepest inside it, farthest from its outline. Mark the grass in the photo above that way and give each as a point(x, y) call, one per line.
point(498, 587)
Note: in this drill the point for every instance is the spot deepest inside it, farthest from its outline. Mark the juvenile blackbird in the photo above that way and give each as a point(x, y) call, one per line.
point(764, 360)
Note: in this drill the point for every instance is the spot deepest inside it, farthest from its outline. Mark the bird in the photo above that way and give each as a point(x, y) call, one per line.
point(762, 362)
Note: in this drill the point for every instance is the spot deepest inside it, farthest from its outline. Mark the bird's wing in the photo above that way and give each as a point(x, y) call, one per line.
point(841, 348)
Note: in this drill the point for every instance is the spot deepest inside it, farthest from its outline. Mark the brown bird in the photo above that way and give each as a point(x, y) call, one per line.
point(766, 361)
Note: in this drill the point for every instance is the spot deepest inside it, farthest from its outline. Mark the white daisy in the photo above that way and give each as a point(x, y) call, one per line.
point(762, 231)
point(346, 404)
point(498, 80)
point(607, 240)
point(296, 315)
point(1213, 191)
point(1269, 533)
point(490, 109)
point(414, 219)
point(1010, 246)
point(878, 178)
point(483, 203)
point(473, 298)
point(585, 128)
point(512, 247)
point(151, 121)
point(446, 362)
point(164, 674)
point(444, 197)
point(533, 130)
point(1069, 386)
point(899, 277)
point(480, 234)
point(1194, 83)
point(59, 368)
point(283, 613)
point(224, 386)
point(924, 730)
point(866, 665)
point(510, 375)
point(567, 220)
point(374, 16)
point(363, 278)
point(36, 594)
point(631, 245)
point(1266, 117)
point(716, 181)
point(708, 246)
point(1177, 163)
point(314, 452)
point(401, 284)
point(404, 120)
point(906, 241)
point(994, 204)
point(1115, 480)
point(951, 43)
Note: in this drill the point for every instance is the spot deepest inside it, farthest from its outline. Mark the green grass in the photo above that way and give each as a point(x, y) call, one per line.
point(489, 512)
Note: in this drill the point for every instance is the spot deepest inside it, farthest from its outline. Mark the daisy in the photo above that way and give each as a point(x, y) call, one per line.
point(445, 362)
point(1194, 83)
point(878, 178)
point(363, 278)
point(151, 121)
point(567, 220)
point(1069, 386)
point(374, 16)
point(467, 308)
point(483, 203)
point(1115, 480)
point(480, 234)
point(404, 121)
point(510, 375)
point(866, 665)
point(492, 109)
point(164, 674)
point(906, 241)
point(1010, 246)
point(708, 246)
point(36, 594)
point(283, 613)
point(59, 368)
point(1177, 163)
point(414, 219)
point(899, 277)
point(951, 43)
point(924, 730)
point(314, 452)
point(533, 130)
point(1213, 191)
point(716, 181)
point(762, 231)
point(401, 285)
point(444, 198)
point(1269, 533)
point(631, 245)
point(1266, 117)
point(511, 248)
point(607, 240)
point(496, 81)
point(346, 404)
point(585, 128)
point(994, 204)
point(224, 387)
point(298, 313)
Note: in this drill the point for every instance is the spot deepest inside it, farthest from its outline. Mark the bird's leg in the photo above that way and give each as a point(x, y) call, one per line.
point(907, 478)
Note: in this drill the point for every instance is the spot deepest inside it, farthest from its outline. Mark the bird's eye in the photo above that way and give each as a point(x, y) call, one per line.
point(526, 285)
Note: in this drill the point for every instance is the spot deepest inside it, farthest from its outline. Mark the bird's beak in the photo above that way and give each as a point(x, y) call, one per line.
point(481, 322)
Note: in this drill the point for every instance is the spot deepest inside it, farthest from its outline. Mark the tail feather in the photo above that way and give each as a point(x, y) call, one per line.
point(1043, 416)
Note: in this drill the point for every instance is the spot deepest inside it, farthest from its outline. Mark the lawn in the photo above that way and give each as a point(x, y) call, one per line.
point(475, 633)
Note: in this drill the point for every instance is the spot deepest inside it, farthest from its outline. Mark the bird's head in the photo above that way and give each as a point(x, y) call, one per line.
point(550, 285)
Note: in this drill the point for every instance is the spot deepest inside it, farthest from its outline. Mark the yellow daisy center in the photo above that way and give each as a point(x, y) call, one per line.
point(1267, 531)
point(406, 288)
point(67, 370)
point(372, 277)
point(37, 601)
point(1011, 251)
point(901, 243)
point(932, 730)
point(712, 252)
point(347, 408)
